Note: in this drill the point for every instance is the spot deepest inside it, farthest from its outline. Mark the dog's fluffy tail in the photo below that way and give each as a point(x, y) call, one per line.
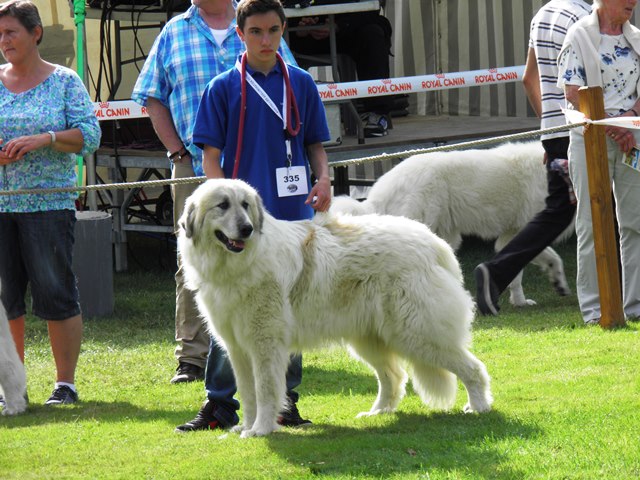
point(351, 206)
point(437, 387)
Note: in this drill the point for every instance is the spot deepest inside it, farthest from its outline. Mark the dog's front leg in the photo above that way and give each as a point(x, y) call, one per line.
point(244, 374)
point(270, 383)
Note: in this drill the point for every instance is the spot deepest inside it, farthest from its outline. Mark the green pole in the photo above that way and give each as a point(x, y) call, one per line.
point(79, 18)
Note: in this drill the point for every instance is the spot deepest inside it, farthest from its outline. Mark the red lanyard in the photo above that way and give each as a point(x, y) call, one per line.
point(290, 101)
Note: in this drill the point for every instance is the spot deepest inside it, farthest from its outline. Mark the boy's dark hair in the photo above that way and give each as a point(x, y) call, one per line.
point(247, 8)
point(25, 12)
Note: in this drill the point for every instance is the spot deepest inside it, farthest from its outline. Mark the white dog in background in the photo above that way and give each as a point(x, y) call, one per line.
point(384, 285)
point(490, 193)
point(13, 382)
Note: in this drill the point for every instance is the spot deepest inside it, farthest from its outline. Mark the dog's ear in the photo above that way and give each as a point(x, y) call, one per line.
point(188, 219)
point(257, 212)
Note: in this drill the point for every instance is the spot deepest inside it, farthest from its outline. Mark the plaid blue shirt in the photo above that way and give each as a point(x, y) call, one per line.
point(182, 61)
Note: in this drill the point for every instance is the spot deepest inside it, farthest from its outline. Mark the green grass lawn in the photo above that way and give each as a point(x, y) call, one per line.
point(567, 401)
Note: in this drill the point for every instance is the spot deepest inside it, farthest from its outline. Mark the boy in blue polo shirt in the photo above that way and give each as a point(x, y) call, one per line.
point(270, 146)
point(284, 122)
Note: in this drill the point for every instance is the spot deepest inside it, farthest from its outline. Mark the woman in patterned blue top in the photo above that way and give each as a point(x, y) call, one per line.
point(46, 117)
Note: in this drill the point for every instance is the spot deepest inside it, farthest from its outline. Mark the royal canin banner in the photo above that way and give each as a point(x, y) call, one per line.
point(422, 83)
point(336, 92)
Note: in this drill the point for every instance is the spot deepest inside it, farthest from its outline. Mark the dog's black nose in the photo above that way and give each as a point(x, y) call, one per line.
point(246, 230)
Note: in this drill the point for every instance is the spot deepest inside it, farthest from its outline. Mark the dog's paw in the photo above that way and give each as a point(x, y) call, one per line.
point(525, 302)
point(372, 413)
point(257, 432)
point(237, 429)
point(482, 408)
point(15, 408)
point(562, 289)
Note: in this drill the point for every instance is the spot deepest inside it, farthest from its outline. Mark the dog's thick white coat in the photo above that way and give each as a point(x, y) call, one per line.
point(13, 383)
point(386, 286)
point(490, 193)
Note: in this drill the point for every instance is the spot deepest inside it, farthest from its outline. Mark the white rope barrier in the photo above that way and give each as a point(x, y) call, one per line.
point(342, 163)
point(456, 146)
point(576, 119)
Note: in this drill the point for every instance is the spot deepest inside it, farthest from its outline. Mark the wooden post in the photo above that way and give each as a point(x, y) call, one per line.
point(595, 142)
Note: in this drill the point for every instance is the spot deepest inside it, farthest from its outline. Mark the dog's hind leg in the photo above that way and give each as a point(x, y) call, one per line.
point(473, 374)
point(551, 263)
point(516, 292)
point(391, 376)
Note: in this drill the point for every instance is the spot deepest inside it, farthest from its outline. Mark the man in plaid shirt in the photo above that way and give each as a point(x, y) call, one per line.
point(191, 49)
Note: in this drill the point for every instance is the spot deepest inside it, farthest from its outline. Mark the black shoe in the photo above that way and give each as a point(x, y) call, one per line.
point(486, 292)
point(204, 420)
point(188, 372)
point(375, 125)
point(62, 395)
point(291, 418)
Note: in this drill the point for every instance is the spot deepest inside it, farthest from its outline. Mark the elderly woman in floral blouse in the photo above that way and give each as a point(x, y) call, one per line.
point(46, 117)
point(603, 49)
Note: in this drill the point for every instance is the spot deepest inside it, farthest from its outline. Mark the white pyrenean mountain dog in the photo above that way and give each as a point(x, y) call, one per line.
point(384, 285)
point(13, 382)
point(489, 193)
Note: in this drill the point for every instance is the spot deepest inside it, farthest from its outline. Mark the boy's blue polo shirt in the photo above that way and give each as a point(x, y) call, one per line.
point(263, 147)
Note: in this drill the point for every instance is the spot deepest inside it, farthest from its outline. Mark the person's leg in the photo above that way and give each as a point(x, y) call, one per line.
point(543, 229)
point(66, 339)
point(626, 188)
point(587, 276)
point(220, 385)
point(369, 46)
point(47, 239)
point(220, 408)
point(16, 326)
point(367, 40)
point(191, 335)
point(290, 416)
point(294, 377)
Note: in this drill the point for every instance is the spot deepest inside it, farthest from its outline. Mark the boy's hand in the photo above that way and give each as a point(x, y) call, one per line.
point(320, 195)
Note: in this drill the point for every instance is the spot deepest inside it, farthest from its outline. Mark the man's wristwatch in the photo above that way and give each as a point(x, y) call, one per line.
point(178, 156)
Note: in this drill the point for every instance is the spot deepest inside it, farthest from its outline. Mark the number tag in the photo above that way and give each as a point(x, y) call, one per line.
point(292, 181)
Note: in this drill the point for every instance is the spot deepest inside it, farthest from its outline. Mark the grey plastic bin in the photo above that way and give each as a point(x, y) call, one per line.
point(93, 263)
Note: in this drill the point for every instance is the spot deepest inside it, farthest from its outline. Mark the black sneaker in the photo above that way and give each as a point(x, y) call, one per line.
point(62, 395)
point(204, 420)
point(486, 292)
point(291, 418)
point(375, 125)
point(188, 372)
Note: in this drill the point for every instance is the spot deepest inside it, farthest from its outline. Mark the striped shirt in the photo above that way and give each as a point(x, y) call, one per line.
point(182, 61)
point(548, 29)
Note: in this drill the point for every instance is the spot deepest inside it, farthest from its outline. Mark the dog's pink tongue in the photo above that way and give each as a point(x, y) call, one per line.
point(237, 243)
